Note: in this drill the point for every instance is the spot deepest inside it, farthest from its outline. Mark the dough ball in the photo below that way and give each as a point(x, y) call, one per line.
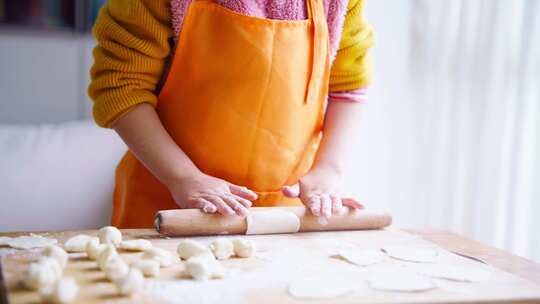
point(222, 248)
point(130, 283)
point(115, 268)
point(42, 273)
point(58, 254)
point(94, 248)
point(188, 248)
point(148, 267)
point(107, 254)
point(204, 267)
point(78, 243)
point(110, 235)
point(243, 248)
point(135, 245)
point(162, 256)
point(65, 290)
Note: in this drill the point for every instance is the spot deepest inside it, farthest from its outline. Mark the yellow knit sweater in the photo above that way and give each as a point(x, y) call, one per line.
point(133, 43)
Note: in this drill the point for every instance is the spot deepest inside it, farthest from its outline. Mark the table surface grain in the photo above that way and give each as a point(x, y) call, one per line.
point(518, 266)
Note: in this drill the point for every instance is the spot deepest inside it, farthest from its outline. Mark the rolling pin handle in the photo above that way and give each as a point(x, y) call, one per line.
point(157, 222)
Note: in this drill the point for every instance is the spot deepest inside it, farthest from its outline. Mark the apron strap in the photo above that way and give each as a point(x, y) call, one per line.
point(320, 48)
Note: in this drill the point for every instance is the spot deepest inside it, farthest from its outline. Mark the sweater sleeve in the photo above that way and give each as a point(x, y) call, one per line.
point(351, 69)
point(129, 58)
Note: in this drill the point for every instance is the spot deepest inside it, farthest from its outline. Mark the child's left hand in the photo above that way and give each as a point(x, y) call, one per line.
point(319, 190)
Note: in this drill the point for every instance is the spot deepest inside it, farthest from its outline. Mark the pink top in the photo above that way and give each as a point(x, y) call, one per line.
point(335, 11)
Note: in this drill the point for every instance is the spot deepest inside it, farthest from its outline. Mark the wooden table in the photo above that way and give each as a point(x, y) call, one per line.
point(522, 275)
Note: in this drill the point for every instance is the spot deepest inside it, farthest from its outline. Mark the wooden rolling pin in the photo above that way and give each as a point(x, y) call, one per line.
point(187, 222)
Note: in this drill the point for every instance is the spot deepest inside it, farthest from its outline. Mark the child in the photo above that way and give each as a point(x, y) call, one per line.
point(223, 104)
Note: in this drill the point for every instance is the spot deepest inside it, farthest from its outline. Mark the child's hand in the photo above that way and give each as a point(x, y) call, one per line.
point(212, 194)
point(319, 190)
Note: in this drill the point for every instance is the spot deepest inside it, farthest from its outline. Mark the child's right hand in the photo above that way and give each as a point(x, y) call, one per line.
point(212, 194)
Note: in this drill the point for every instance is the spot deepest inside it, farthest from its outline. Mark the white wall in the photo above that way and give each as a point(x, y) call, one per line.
point(43, 76)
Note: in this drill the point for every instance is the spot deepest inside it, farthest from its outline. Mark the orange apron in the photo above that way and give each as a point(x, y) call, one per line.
point(245, 99)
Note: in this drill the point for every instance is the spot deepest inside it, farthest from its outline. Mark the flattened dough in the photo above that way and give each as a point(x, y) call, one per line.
point(320, 288)
point(400, 281)
point(135, 245)
point(4, 240)
point(411, 254)
point(453, 272)
point(30, 241)
point(78, 243)
point(364, 257)
point(272, 221)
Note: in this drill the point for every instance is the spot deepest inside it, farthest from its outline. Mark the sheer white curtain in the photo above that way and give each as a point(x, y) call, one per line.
point(451, 135)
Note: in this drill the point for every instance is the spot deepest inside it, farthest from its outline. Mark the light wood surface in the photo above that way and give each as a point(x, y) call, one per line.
point(501, 259)
point(281, 259)
point(187, 222)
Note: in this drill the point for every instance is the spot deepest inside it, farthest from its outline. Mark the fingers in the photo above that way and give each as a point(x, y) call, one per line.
point(204, 205)
point(314, 204)
point(222, 207)
point(242, 192)
point(235, 205)
point(242, 201)
point(351, 202)
point(326, 205)
point(337, 205)
point(291, 191)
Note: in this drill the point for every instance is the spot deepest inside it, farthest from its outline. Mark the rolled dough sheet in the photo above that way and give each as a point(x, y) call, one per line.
point(411, 254)
point(360, 257)
point(272, 221)
point(399, 281)
point(30, 241)
point(453, 272)
point(327, 288)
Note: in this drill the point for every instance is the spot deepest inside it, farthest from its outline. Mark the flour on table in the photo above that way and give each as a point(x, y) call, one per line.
point(410, 254)
point(399, 281)
point(272, 221)
point(320, 288)
point(452, 272)
point(30, 241)
point(360, 257)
